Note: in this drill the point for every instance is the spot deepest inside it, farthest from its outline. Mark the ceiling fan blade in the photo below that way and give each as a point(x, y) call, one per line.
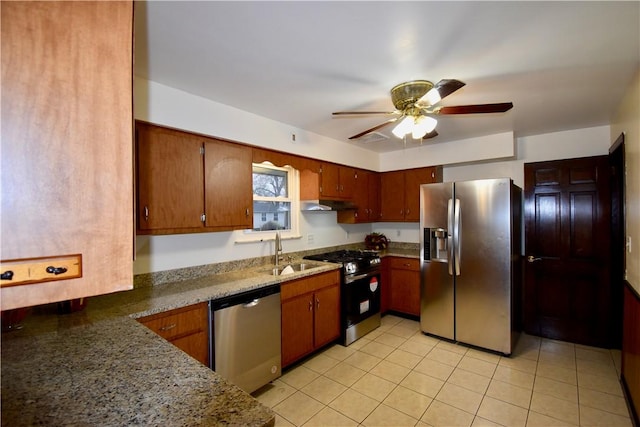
point(446, 87)
point(388, 122)
point(475, 109)
point(431, 134)
point(344, 113)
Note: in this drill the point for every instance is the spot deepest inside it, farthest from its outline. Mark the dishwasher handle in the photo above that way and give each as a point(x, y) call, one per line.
point(251, 303)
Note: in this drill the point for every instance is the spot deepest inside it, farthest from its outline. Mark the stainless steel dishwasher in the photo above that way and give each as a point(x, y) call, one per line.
point(246, 337)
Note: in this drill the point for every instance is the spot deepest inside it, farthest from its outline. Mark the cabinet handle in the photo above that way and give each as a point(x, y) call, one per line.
point(168, 327)
point(146, 213)
point(7, 275)
point(310, 305)
point(56, 270)
point(317, 303)
point(407, 211)
point(247, 213)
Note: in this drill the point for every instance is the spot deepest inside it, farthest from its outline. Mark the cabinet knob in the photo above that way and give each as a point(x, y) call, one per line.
point(56, 270)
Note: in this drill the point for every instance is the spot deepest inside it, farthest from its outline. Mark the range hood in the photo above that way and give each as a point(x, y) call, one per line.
point(326, 205)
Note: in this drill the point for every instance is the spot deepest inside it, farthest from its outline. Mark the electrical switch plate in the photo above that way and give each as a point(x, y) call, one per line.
point(628, 244)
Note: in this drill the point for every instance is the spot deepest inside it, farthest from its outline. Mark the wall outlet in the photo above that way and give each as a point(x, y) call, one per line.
point(628, 244)
point(310, 239)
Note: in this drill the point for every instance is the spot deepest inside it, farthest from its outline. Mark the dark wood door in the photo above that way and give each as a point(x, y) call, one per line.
point(567, 226)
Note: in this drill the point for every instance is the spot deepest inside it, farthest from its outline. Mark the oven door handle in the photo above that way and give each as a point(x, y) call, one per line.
point(352, 279)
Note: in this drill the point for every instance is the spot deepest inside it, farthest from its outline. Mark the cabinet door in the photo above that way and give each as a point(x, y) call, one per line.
point(392, 196)
point(330, 181)
point(228, 184)
point(195, 345)
point(297, 328)
point(385, 285)
point(186, 328)
point(347, 182)
point(413, 179)
point(170, 185)
point(67, 144)
point(374, 196)
point(361, 197)
point(327, 315)
point(405, 291)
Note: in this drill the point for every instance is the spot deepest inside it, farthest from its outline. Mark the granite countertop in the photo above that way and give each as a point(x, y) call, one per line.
point(101, 367)
point(409, 252)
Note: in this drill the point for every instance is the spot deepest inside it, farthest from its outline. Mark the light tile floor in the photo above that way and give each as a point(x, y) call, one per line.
point(397, 376)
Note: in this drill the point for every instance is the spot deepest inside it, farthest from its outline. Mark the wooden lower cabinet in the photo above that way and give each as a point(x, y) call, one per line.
point(404, 285)
point(187, 328)
point(310, 314)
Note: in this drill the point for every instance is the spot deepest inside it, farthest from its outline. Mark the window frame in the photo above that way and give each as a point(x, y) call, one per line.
point(293, 182)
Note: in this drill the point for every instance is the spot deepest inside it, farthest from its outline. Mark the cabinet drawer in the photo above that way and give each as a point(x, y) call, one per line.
point(37, 270)
point(405, 263)
point(308, 284)
point(180, 322)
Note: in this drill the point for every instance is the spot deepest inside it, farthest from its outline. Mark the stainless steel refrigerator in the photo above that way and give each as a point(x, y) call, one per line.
point(470, 251)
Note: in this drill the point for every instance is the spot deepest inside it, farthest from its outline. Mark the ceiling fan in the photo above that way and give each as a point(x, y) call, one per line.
point(415, 102)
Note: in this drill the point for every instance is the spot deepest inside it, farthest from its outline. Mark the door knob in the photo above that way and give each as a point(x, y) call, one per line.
point(531, 258)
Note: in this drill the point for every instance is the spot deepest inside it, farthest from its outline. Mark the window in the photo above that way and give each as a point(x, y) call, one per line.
point(275, 202)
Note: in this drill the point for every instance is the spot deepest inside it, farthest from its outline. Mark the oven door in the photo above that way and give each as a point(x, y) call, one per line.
point(360, 297)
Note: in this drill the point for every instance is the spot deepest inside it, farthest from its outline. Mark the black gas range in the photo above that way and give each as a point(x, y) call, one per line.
point(360, 291)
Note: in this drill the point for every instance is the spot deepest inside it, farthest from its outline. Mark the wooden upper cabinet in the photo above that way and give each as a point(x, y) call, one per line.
point(366, 198)
point(228, 185)
point(400, 192)
point(392, 196)
point(336, 181)
point(67, 145)
point(170, 184)
point(189, 183)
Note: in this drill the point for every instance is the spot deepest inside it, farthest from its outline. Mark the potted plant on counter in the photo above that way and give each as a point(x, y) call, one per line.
point(376, 241)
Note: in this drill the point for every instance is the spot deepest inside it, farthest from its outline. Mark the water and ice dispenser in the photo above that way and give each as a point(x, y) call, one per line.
point(435, 244)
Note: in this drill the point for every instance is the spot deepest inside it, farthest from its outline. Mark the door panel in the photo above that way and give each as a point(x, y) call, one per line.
point(567, 279)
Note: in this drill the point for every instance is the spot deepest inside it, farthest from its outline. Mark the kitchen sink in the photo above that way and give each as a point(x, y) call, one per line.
point(295, 268)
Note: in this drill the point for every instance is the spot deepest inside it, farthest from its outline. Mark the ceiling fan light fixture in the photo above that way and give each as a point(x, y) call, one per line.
point(432, 97)
point(404, 127)
point(422, 126)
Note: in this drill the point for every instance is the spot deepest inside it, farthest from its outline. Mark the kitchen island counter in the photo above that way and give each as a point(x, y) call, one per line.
point(101, 367)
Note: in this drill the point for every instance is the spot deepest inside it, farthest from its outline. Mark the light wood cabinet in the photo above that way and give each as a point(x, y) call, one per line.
point(366, 198)
point(187, 328)
point(67, 145)
point(189, 183)
point(404, 289)
point(310, 314)
point(400, 193)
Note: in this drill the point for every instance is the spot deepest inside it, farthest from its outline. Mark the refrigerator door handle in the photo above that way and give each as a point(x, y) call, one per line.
point(457, 239)
point(450, 236)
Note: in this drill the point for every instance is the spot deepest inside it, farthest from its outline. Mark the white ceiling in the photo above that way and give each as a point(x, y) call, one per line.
point(564, 65)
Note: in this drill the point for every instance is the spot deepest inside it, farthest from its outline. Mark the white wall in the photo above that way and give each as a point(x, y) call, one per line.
point(170, 107)
point(627, 121)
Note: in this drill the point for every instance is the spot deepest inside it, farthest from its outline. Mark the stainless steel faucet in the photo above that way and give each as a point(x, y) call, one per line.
point(278, 248)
